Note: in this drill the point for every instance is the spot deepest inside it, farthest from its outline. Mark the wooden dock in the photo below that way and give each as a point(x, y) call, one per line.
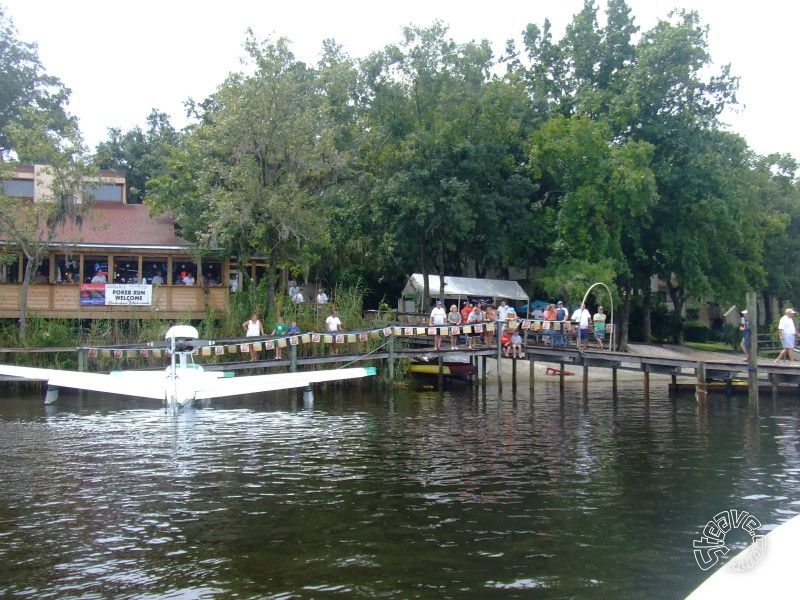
point(686, 369)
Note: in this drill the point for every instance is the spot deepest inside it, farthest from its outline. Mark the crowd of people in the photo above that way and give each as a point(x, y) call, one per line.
point(505, 316)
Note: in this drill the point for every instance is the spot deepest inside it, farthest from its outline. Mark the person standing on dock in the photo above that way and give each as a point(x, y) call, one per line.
point(475, 317)
point(253, 328)
point(334, 325)
point(787, 331)
point(466, 310)
point(744, 327)
point(599, 320)
point(278, 329)
point(437, 319)
point(490, 317)
point(581, 317)
point(453, 320)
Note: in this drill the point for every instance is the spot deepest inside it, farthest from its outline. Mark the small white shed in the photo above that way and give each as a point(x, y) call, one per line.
point(458, 289)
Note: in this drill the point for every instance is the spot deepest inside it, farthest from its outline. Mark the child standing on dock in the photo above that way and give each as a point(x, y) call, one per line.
point(599, 321)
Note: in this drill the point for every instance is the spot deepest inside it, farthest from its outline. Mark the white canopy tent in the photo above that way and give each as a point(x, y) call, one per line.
point(458, 288)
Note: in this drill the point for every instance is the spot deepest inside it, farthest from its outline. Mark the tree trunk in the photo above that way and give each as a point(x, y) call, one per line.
point(30, 269)
point(767, 310)
point(426, 288)
point(647, 325)
point(678, 301)
point(624, 320)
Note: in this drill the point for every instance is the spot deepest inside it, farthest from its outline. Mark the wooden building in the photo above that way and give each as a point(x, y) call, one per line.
point(121, 263)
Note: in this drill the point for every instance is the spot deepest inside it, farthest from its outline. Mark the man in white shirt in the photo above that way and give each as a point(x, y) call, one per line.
point(502, 312)
point(584, 318)
point(787, 330)
point(437, 319)
point(333, 324)
point(322, 297)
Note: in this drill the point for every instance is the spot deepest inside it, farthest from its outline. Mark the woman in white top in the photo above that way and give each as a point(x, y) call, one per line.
point(253, 328)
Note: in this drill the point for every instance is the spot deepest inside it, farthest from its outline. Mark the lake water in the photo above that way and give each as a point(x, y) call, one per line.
point(470, 493)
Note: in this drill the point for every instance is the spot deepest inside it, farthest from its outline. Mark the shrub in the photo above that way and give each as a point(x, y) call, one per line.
point(696, 332)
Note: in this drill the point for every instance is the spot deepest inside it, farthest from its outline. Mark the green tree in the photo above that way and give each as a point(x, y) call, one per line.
point(32, 226)
point(141, 155)
point(442, 160)
point(604, 193)
point(28, 95)
point(253, 175)
point(35, 127)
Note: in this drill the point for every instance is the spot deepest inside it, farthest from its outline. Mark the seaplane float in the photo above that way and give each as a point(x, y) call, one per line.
point(183, 381)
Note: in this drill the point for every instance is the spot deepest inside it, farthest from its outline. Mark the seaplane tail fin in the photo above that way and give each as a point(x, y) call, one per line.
point(254, 384)
point(141, 387)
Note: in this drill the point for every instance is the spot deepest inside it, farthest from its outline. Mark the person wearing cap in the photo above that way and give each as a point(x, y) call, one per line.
point(437, 319)
point(475, 318)
point(561, 312)
point(787, 330)
point(599, 322)
point(744, 327)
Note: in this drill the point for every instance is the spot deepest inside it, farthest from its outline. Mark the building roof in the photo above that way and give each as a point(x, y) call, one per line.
point(455, 287)
point(111, 224)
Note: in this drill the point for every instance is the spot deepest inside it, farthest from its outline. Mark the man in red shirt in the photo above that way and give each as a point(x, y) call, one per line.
point(466, 308)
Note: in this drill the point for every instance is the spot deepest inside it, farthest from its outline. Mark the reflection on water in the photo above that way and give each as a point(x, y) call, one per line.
point(468, 493)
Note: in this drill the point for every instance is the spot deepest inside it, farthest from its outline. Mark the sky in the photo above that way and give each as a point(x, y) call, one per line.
point(122, 59)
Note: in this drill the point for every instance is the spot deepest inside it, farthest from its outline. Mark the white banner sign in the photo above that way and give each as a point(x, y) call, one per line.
point(120, 293)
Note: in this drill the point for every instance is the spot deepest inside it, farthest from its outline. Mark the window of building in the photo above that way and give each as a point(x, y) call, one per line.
point(67, 269)
point(212, 273)
point(42, 273)
point(20, 188)
point(9, 268)
point(126, 269)
point(95, 268)
point(184, 273)
point(110, 192)
point(155, 268)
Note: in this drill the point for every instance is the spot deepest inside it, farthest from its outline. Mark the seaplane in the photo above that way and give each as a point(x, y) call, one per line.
point(183, 382)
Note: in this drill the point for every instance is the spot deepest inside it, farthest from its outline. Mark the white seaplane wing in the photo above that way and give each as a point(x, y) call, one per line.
point(142, 384)
point(202, 384)
point(253, 384)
